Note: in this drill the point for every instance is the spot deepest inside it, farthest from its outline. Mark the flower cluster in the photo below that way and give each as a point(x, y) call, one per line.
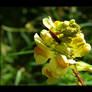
point(61, 43)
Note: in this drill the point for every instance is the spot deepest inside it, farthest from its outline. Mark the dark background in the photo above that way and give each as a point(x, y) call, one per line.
point(18, 26)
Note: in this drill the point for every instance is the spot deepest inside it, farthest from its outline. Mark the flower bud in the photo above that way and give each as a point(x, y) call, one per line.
point(82, 66)
point(66, 23)
point(57, 22)
point(85, 49)
point(72, 21)
point(59, 27)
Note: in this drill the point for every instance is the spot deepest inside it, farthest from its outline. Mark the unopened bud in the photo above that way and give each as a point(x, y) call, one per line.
point(66, 23)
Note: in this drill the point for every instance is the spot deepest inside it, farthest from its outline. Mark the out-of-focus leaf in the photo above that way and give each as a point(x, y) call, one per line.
point(19, 76)
point(86, 24)
point(12, 29)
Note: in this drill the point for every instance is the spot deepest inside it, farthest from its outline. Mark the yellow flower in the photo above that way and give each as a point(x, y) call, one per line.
point(61, 43)
point(56, 68)
point(58, 64)
point(42, 52)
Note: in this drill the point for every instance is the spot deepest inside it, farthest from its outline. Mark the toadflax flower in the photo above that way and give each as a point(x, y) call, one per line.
point(61, 43)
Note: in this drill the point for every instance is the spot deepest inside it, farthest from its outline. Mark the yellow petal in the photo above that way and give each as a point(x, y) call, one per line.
point(48, 22)
point(53, 69)
point(40, 51)
point(41, 55)
point(46, 71)
point(57, 22)
point(39, 42)
point(47, 38)
point(62, 61)
point(40, 59)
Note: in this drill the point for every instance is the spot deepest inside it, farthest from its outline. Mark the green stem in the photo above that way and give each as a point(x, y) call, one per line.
point(17, 53)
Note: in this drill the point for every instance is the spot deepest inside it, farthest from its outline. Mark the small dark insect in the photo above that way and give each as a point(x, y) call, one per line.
point(55, 37)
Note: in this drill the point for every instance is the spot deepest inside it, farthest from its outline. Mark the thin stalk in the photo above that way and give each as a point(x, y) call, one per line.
point(79, 77)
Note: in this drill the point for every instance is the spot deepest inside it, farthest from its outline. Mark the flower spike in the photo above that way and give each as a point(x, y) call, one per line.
point(62, 42)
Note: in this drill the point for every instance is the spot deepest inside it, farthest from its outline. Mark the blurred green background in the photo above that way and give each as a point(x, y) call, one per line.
point(17, 29)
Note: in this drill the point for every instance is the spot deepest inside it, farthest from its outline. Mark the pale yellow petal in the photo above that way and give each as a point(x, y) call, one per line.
point(48, 22)
point(47, 38)
point(39, 42)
